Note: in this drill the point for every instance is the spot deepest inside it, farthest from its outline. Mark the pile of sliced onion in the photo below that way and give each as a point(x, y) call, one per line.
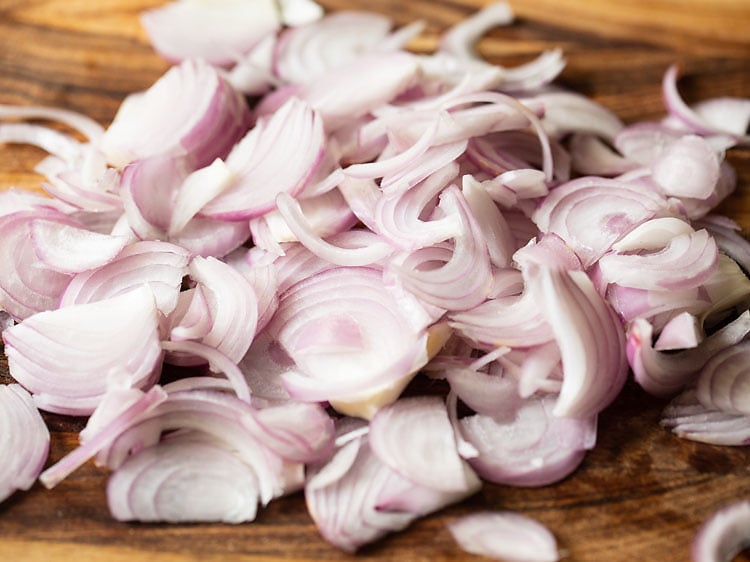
point(375, 220)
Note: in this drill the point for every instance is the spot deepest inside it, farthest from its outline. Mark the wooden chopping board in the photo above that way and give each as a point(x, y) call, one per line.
point(640, 495)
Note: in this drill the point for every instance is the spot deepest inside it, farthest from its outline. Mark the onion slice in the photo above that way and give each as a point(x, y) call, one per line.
point(24, 440)
point(505, 535)
point(724, 534)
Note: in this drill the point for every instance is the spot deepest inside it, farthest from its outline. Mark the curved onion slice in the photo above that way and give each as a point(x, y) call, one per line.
point(724, 381)
point(687, 167)
point(190, 111)
point(662, 373)
point(68, 357)
point(342, 497)
point(535, 448)
point(592, 377)
point(160, 265)
point(24, 440)
point(690, 419)
point(464, 279)
point(309, 51)
point(590, 214)
point(27, 285)
point(687, 261)
point(278, 155)
point(242, 25)
point(353, 342)
point(505, 535)
point(186, 478)
point(415, 438)
point(724, 534)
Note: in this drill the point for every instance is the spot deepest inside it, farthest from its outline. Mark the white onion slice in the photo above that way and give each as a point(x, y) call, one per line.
point(186, 478)
point(66, 357)
point(278, 155)
point(724, 534)
point(724, 381)
point(190, 111)
point(187, 29)
point(505, 535)
point(689, 419)
point(535, 448)
point(414, 437)
point(24, 440)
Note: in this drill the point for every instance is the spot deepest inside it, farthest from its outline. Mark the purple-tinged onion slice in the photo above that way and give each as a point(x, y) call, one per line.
point(724, 534)
point(279, 154)
point(505, 535)
point(535, 448)
point(689, 419)
point(68, 357)
point(724, 381)
point(414, 437)
point(185, 478)
point(187, 29)
point(24, 440)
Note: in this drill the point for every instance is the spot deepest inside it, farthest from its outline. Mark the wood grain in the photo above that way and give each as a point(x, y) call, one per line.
point(641, 494)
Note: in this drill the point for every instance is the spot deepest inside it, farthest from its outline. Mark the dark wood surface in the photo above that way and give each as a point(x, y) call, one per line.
point(640, 495)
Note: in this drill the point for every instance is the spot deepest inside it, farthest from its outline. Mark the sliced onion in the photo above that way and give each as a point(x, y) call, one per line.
point(425, 452)
point(724, 381)
point(242, 25)
point(535, 448)
point(724, 534)
point(186, 478)
point(261, 162)
point(662, 373)
point(592, 378)
point(505, 535)
point(27, 285)
point(309, 51)
point(24, 441)
point(207, 120)
point(690, 419)
point(160, 265)
point(67, 357)
point(352, 341)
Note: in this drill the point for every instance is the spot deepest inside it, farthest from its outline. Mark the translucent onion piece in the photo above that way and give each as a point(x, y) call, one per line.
point(27, 285)
point(513, 321)
point(159, 265)
point(309, 51)
point(724, 534)
point(535, 448)
point(186, 29)
point(592, 376)
point(278, 155)
point(690, 419)
point(185, 478)
point(351, 339)
point(724, 381)
point(569, 112)
point(662, 373)
point(590, 214)
point(505, 535)
point(69, 249)
point(190, 111)
point(68, 357)
point(461, 38)
point(213, 413)
point(687, 261)
point(24, 440)
point(232, 303)
point(414, 437)
point(688, 167)
point(464, 278)
point(343, 495)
